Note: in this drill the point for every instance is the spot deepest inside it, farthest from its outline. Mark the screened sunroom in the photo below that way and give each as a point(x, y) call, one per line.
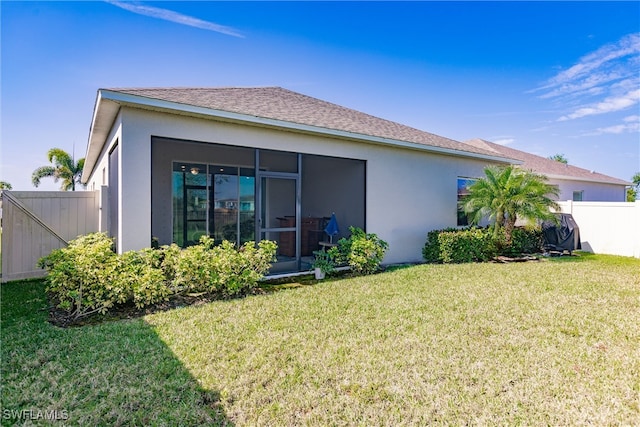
point(244, 194)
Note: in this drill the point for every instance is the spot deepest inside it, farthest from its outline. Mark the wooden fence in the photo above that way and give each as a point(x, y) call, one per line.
point(36, 222)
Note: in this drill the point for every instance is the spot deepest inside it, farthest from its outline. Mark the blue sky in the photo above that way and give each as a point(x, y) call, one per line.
point(544, 77)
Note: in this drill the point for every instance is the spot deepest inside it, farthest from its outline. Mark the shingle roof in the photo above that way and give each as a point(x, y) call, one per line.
point(284, 105)
point(545, 166)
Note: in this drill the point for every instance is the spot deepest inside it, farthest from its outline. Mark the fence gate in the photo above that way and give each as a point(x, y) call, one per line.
point(34, 223)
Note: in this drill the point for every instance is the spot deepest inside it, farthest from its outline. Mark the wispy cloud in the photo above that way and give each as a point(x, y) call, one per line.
point(629, 124)
point(608, 105)
point(601, 82)
point(504, 141)
point(178, 18)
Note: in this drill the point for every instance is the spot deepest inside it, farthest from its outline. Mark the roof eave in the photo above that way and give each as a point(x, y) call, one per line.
point(584, 179)
point(108, 103)
point(104, 114)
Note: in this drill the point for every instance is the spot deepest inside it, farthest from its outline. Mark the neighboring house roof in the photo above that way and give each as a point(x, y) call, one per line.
point(544, 166)
point(272, 107)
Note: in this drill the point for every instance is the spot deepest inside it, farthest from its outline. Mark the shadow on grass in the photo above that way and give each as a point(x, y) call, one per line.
point(114, 373)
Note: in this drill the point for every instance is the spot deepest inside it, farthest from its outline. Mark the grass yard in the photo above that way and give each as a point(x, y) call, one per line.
point(549, 343)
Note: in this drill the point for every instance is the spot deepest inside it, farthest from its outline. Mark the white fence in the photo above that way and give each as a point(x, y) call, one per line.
point(607, 227)
point(36, 222)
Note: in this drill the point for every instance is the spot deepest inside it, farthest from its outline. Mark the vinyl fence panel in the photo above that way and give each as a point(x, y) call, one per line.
point(34, 223)
point(607, 227)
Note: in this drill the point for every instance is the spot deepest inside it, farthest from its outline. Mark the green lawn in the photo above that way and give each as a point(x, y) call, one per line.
point(549, 343)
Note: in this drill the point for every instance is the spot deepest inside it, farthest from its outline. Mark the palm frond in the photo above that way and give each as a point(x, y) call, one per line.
point(43, 172)
point(508, 193)
point(63, 169)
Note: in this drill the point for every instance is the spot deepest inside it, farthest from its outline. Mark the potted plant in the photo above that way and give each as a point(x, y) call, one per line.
point(322, 264)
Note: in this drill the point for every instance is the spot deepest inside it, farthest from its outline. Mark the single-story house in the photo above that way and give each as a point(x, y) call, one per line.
point(574, 183)
point(247, 164)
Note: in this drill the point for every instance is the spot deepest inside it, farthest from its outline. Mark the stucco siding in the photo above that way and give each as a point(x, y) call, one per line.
point(101, 176)
point(591, 191)
point(134, 185)
point(409, 192)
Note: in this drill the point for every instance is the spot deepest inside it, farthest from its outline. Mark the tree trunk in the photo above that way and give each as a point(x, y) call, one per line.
point(508, 229)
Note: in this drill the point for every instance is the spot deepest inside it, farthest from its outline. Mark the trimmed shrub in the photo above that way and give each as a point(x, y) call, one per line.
point(194, 268)
point(431, 249)
point(246, 266)
point(452, 245)
point(141, 273)
point(472, 245)
point(88, 276)
point(81, 276)
point(526, 240)
point(223, 268)
point(363, 252)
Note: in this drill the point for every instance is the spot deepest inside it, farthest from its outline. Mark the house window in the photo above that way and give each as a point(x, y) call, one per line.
point(212, 200)
point(577, 196)
point(463, 190)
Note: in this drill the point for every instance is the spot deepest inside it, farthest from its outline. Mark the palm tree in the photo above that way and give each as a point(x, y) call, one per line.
point(559, 158)
point(634, 190)
point(508, 193)
point(4, 185)
point(64, 167)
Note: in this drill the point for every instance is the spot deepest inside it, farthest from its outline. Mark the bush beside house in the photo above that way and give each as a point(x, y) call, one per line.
point(456, 246)
point(88, 276)
point(506, 194)
point(474, 244)
point(362, 252)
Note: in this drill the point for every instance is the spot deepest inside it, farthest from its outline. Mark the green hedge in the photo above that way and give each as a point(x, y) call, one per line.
point(474, 244)
point(524, 240)
point(88, 276)
point(456, 246)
